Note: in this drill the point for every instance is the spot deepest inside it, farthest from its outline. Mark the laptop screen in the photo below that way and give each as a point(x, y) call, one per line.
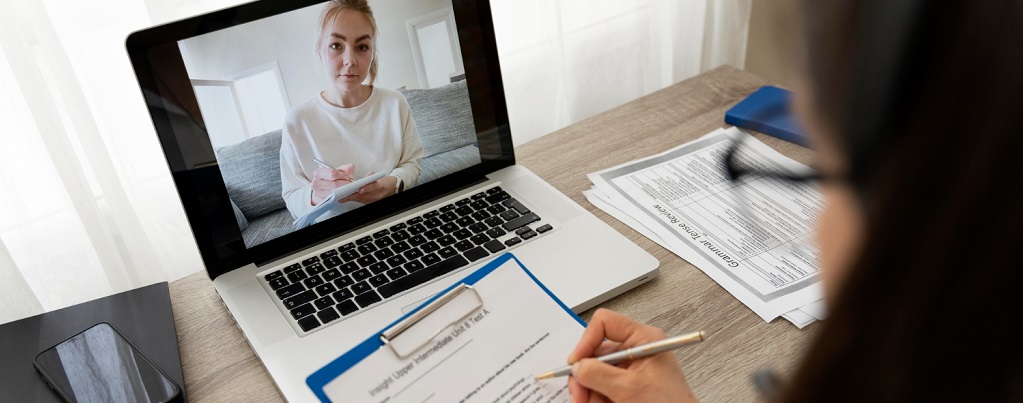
point(287, 123)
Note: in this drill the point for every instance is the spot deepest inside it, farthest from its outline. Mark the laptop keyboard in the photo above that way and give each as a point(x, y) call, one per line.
point(321, 289)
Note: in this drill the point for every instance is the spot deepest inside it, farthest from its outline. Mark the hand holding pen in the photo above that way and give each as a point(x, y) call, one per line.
point(327, 178)
point(653, 378)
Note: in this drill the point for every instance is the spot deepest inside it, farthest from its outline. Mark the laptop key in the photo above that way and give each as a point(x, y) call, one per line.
point(400, 247)
point(413, 266)
point(494, 246)
point(332, 261)
point(430, 259)
point(278, 282)
point(325, 289)
point(364, 240)
point(463, 211)
point(544, 228)
point(360, 287)
point(417, 228)
point(528, 235)
point(396, 273)
point(308, 323)
point(463, 246)
point(446, 253)
point(342, 295)
point(379, 280)
point(395, 261)
point(480, 215)
point(313, 282)
point(361, 274)
point(462, 234)
point(349, 255)
point(381, 233)
point(496, 232)
point(366, 260)
point(414, 220)
point(448, 217)
point(399, 236)
point(378, 267)
point(292, 268)
point(422, 276)
point(346, 247)
point(398, 227)
point(367, 248)
point(290, 290)
point(509, 215)
point(522, 230)
point(476, 253)
point(429, 247)
point(346, 307)
point(513, 241)
point(521, 221)
point(447, 208)
point(417, 240)
point(327, 315)
point(497, 197)
point(496, 208)
point(493, 221)
point(315, 269)
point(383, 254)
point(323, 303)
point(303, 310)
point(432, 222)
point(366, 299)
point(331, 275)
point(465, 221)
point(479, 195)
point(344, 281)
point(479, 239)
point(384, 242)
point(431, 214)
point(300, 299)
point(461, 202)
point(449, 227)
point(478, 205)
point(433, 234)
point(310, 261)
point(297, 276)
point(446, 240)
point(348, 268)
point(413, 254)
point(276, 274)
point(328, 254)
point(493, 190)
point(518, 206)
point(477, 228)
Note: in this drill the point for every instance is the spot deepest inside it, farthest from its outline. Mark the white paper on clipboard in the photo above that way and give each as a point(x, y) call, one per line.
point(330, 202)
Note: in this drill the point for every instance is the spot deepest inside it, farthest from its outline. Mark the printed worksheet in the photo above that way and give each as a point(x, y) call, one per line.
point(500, 340)
point(753, 237)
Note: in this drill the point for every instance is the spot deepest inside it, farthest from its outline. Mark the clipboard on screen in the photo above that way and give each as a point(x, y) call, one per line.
point(480, 339)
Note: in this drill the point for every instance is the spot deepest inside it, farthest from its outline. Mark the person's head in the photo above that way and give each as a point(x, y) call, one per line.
point(346, 44)
point(917, 108)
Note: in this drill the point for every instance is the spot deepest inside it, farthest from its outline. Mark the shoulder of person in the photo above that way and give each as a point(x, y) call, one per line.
point(391, 97)
point(303, 110)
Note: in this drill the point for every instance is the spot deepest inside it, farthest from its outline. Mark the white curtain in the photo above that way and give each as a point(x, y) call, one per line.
point(564, 61)
point(87, 205)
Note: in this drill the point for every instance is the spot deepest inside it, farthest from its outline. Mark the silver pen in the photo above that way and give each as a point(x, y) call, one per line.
point(634, 353)
point(325, 165)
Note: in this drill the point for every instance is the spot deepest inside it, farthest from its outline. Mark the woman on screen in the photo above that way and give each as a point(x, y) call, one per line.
point(914, 107)
point(351, 129)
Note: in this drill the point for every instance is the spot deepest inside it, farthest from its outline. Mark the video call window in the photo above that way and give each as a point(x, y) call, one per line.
point(322, 110)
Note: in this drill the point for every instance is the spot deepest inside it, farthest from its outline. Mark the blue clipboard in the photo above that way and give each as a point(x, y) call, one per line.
point(768, 110)
point(319, 379)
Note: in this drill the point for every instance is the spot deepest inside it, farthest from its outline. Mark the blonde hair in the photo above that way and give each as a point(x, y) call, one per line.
point(332, 9)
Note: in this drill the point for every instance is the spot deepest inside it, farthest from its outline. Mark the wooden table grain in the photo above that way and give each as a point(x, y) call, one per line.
point(220, 366)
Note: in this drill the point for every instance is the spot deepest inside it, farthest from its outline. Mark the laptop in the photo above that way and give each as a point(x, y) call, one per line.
point(249, 106)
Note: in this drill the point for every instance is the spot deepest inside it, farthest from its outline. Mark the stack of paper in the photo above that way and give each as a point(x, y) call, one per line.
point(754, 237)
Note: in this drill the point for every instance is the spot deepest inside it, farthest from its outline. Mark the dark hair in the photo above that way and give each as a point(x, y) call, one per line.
point(925, 101)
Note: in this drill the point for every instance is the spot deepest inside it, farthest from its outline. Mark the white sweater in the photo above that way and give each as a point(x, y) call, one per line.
point(378, 135)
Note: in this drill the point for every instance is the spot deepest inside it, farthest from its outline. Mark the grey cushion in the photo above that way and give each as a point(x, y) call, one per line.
point(243, 222)
point(252, 173)
point(448, 162)
point(268, 227)
point(443, 117)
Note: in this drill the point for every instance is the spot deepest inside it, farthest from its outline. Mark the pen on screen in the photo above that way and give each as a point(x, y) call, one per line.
point(637, 352)
point(325, 165)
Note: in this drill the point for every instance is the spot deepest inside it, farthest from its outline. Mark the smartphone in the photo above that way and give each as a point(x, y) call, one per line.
point(100, 365)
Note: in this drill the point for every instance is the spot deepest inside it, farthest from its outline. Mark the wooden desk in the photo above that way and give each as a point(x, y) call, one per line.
point(219, 365)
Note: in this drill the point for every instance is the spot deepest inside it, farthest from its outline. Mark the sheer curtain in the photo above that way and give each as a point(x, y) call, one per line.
point(87, 205)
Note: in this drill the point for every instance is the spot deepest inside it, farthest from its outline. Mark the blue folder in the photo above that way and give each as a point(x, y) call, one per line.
point(768, 110)
point(319, 379)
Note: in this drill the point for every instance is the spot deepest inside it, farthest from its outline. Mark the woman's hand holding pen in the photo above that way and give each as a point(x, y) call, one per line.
point(374, 191)
point(651, 379)
point(325, 180)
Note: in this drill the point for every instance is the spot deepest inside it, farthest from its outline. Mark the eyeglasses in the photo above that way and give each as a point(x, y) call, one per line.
point(738, 168)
